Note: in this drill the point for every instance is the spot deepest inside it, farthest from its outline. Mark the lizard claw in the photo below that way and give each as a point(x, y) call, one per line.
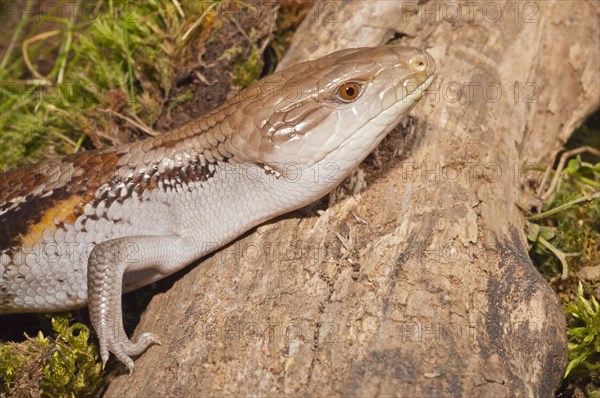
point(124, 349)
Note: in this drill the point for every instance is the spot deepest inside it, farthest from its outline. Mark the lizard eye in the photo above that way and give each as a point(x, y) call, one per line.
point(349, 91)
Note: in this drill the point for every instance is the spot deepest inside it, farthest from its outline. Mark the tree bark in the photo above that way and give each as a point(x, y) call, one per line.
point(415, 279)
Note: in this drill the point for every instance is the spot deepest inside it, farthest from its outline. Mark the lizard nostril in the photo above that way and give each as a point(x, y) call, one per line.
point(418, 63)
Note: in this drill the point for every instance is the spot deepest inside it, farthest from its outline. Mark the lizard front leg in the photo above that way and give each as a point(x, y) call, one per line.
point(107, 264)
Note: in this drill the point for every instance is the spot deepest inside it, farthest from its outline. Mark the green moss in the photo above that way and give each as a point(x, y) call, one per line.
point(64, 365)
point(565, 238)
point(102, 71)
point(584, 334)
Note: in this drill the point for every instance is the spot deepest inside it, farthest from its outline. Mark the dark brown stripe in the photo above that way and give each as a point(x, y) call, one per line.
point(97, 167)
point(14, 224)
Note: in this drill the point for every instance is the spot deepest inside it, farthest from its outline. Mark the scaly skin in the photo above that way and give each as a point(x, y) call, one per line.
point(82, 229)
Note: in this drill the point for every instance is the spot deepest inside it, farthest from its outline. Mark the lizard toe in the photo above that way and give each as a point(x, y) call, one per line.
point(145, 341)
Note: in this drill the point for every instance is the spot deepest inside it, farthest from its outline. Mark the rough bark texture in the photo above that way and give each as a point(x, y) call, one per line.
point(419, 283)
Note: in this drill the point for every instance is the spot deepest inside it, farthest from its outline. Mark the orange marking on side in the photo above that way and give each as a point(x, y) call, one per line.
point(63, 212)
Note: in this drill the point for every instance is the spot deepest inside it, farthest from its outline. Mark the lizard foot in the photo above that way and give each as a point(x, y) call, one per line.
point(107, 264)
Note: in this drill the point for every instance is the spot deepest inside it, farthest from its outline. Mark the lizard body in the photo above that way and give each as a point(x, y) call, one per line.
point(82, 229)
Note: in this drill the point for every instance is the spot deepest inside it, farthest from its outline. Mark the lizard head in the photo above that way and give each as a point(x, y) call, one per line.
point(334, 109)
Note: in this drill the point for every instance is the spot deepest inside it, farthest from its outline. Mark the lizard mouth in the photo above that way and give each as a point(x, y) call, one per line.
point(420, 90)
point(409, 92)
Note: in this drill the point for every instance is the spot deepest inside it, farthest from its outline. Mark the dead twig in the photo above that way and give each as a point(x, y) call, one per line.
point(33, 39)
point(561, 165)
point(136, 123)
